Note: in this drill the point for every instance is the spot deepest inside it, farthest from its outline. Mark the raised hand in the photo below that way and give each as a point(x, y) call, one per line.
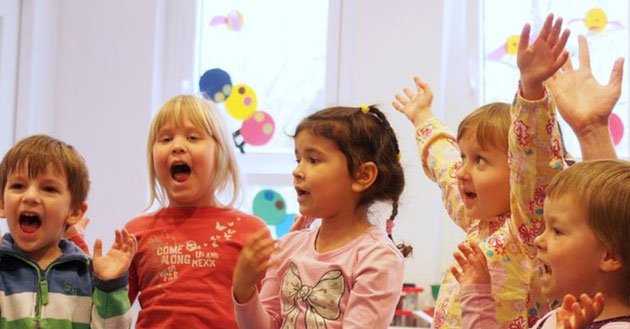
point(540, 60)
point(585, 104)
point(117, 260)
point(574, 314)
point(473, 264)
point(252, 264)
point(416, 106)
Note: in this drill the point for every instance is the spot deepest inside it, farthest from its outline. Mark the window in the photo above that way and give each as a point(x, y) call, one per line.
point(267, 62)
point(605, 25)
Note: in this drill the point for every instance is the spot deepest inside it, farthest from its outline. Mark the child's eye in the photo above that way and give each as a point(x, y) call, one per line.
point(313, 160)
point(193, 138)
point(50, 189)
point(556, 231)
point(480, 160)
point(16, 186)
point(165, 139)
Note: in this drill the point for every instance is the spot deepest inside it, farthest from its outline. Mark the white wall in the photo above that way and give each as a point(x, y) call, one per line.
point(86, 76)
point(92, 72)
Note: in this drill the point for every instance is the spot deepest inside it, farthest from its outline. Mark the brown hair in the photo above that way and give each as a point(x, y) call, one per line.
point(363, 135)
point(603, 187)
point(204, 116)
point(491, 124)
point(38, 152)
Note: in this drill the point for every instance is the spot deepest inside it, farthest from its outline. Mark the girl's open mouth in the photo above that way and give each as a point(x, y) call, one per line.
point(180, 172)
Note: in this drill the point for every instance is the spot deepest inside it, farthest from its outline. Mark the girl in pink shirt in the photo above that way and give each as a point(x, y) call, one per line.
point(347, 273)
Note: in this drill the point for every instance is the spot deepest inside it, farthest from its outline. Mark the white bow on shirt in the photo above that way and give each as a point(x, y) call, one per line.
point(322, 300)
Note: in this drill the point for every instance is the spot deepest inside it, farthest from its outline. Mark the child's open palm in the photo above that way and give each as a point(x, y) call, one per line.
point(117, 260)
point(581, 100)
point(252, 264)
point(473, 264)
point(416, 106)
point(574, 314)
point(540, 60)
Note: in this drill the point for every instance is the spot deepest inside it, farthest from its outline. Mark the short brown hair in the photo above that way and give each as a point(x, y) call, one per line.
point(38, 152)
point(491, 124)
point(603, 187)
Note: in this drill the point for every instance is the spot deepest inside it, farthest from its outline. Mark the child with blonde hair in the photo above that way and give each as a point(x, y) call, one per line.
point(347, 273)
point(498, 203)
point(586, 214)
point(586, 106)
point(187, 250)
point(46, 281)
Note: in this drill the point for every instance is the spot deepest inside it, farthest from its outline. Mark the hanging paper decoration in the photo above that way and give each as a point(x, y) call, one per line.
point(596, 21)
point(616, 128)
point(215, 85)
point(509, 48)
point(256, 130)
point(233, 21)
point(242, 102)
point(270, 206)
point(284, 226)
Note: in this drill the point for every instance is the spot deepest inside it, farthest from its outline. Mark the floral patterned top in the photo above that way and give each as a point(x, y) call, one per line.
point(534, 156)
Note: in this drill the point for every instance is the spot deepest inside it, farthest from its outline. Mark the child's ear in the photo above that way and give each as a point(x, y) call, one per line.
point(76, 214)
point(365, 176)
point(612, 261)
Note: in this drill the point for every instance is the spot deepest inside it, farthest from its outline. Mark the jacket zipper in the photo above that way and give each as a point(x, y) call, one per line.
point(42, 284)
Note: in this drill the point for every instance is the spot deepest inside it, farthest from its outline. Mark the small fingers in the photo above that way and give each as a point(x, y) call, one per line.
point(617, 73)
point(461, 260)
point(408, 92)
point(456, 274)
point(524, 40)
point(98, 249)
point(402, 100)
point(559, 46)
point(545, 31)
point(583, 53)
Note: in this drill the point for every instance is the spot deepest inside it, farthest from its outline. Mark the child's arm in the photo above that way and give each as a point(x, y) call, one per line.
point(111, 307)
point(375, 290)
point(586, 105)
point(574, 314)
point(534, 156)
point(476, 294)
point(252, 264)
point(438, 149)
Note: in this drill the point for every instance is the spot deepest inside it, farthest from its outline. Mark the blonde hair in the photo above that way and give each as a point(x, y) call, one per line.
point(203, 115)
point(603, 187)
point(37, 153)
point(491, 124)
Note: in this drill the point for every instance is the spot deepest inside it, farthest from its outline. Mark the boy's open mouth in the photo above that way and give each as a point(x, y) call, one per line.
point(180, 171)
point(29, 222)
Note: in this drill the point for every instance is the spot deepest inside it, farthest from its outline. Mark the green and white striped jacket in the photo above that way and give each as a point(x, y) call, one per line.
point(66, 295)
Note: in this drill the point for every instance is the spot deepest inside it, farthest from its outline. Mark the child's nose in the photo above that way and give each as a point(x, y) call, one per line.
point(178, 146)
point(31, 195)
point(461, 171)
point(297, 173)
point(539, 241)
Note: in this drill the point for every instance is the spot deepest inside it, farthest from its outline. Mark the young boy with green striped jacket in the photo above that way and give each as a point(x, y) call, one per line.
point(45, 280)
